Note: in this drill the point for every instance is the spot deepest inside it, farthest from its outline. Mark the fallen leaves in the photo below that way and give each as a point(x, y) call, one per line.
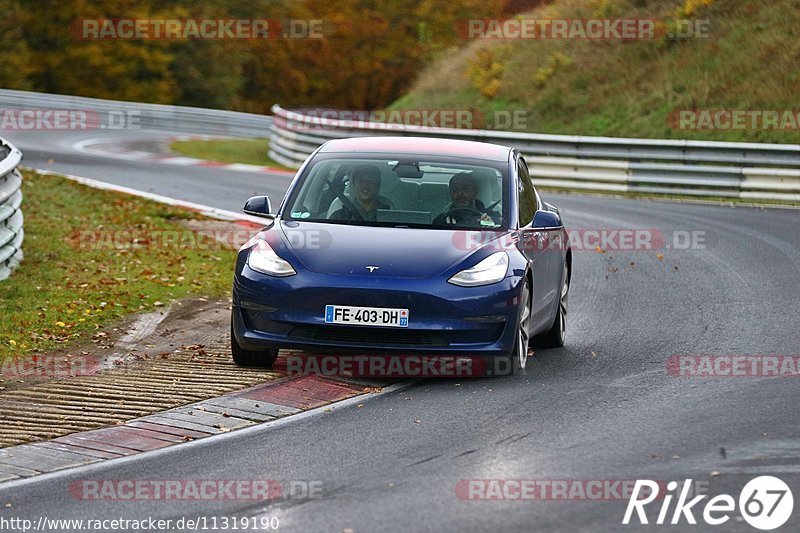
point(193, 347)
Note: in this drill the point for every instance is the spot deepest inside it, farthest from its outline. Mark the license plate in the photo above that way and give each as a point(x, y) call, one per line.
point(366, 316)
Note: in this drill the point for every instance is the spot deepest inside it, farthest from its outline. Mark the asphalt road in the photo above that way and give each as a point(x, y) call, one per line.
point(602, 408)
point(55, 150)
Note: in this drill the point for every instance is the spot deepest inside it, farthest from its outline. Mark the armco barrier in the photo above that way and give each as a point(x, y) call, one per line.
point(678, 167)
point(11, 232)
point(146, 116)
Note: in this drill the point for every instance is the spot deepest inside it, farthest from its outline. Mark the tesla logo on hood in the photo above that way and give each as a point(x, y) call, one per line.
point(372, 268)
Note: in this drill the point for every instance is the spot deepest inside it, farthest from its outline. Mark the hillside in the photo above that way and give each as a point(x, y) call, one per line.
point(633, 88)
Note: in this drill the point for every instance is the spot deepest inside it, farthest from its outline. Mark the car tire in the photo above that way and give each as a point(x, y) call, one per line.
point(252, 358)
point(556, 337)
point(519, 354)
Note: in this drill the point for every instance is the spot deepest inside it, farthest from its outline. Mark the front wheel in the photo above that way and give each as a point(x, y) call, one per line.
point(519, 354)
point(556, 337)
point(252, 358)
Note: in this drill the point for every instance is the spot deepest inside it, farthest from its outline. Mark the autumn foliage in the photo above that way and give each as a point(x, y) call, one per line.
point(369, 54)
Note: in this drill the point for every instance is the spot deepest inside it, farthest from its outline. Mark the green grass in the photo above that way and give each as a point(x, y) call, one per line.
point(628, 89)
point(72, 284)
point(249, 151)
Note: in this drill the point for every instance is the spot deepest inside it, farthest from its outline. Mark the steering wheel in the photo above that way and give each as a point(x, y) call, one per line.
point(337, 187)
point(463, 213)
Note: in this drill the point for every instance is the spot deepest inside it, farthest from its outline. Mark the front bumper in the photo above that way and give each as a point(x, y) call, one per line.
point(288, 312)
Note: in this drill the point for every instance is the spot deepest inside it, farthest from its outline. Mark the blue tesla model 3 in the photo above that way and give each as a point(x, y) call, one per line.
point(401, 245)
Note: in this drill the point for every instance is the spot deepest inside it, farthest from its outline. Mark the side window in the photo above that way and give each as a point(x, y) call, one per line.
point(527, 196)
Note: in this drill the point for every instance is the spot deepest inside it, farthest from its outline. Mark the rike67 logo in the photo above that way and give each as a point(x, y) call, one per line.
point(765, 503)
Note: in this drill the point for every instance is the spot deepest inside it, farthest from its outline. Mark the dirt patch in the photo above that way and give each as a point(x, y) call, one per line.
point(187, 324)
point(153, 362)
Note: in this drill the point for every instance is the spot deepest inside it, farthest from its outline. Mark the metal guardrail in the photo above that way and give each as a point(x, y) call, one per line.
point(11, 232)
point(751, 171)
point(147, 116)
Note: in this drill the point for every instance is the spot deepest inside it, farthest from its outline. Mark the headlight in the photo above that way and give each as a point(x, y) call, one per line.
point(263, 259)
point(490, 270)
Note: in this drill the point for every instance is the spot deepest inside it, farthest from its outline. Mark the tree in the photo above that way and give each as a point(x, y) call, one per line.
point(64, 62)
point(15, 59)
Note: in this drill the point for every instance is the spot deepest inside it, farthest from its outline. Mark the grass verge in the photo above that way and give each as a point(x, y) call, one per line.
point(93, 257)
point(249, 151)
point(746, 61)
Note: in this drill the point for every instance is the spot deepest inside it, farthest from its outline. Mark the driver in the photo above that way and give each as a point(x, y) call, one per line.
point(464, 207)
point(365, 185)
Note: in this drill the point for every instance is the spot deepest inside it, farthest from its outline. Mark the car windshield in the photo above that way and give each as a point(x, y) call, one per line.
point(406, 191)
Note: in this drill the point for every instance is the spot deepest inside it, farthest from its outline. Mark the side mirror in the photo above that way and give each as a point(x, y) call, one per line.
point(546, 220)
point(551, 207)
point(259, 206)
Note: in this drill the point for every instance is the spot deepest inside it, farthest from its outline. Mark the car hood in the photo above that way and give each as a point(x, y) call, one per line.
point(397, 252)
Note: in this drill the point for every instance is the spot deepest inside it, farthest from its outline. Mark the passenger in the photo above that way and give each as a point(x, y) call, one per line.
point(364, 202)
